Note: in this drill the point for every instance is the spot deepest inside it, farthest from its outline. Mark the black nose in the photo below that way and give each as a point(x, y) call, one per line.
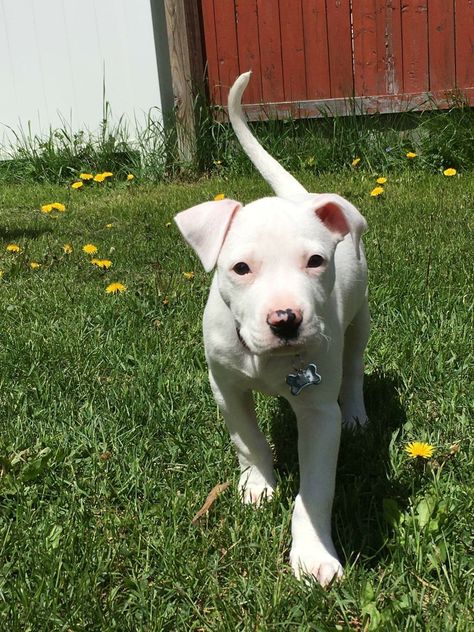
point(285, 323)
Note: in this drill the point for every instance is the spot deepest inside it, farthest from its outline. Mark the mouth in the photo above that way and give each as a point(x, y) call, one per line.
point(281, 346)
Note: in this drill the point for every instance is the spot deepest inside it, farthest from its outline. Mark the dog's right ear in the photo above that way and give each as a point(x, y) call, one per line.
point(205, 228)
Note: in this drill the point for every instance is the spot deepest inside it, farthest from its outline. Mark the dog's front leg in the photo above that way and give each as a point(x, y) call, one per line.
point(257, 480)
point(312, 552)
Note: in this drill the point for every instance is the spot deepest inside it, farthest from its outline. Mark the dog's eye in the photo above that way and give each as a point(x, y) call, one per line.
point(315, 261)
point(241, 268)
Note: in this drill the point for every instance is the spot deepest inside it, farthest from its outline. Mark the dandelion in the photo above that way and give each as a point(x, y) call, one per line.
point(89, 249)
point(103, 264)
point(13, 248)
point(77, 185)
point(218, 197)
point(99, 177)
point(130, 177)
point(188, 275)
point(57, 206)
point(115, 288)
point(86, 176)
point(355, 162)
point(381, 180)
point(450, 172)
point(419, 449)
point(34, 265)
point(67, 248)
point(107, 174)
point(109, 225)
point(377, 191)
point(46, 208)
point(411, 155)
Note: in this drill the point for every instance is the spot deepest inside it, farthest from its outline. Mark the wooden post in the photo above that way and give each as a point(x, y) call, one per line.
point(187, 68)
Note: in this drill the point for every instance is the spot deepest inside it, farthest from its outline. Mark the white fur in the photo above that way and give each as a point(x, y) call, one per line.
point(275, 237)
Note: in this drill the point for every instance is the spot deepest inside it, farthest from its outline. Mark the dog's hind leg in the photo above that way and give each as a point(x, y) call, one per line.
point(257, 479)
point(351, 396)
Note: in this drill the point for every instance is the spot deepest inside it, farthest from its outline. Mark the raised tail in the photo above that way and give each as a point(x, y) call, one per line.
point(283, 183)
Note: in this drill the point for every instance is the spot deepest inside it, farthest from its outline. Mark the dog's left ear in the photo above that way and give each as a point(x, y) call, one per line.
point(340, 217)
point(205, 228)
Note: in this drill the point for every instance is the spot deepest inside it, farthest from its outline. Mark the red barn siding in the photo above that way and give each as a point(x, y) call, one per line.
point(310, 56)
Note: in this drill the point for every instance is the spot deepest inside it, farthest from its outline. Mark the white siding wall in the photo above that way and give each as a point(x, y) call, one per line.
point(56, 54)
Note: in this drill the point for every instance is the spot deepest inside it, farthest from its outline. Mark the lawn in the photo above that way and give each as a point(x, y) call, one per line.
point(110, 439)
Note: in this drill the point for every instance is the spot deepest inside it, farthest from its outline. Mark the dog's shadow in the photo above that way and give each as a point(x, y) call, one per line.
point(363, 474)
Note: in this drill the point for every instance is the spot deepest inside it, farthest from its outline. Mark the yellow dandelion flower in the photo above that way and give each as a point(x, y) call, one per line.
point(13, 248)
point(104, 264)
point(57, 206)
point(188, 275)
point(218, 197)
point(411, 154)
point(377, 191)
point(86, 176)
point(77, 185)
point(109, 225)
point(46, 208)
point(355, 162)
point(115, 288)
point(381, 180)
point(99, 177)
point(89, 249)
point(450, 172)
point(419, 449)
point(34, 265)
point(107, 174)
point(130, 177)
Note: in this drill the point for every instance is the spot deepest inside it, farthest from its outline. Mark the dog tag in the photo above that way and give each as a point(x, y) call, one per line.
point(302, 378)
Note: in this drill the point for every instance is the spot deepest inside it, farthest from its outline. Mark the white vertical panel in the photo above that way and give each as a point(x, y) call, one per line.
point(56, 54)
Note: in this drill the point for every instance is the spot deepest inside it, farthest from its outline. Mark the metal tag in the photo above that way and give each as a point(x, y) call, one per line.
point(302, 378)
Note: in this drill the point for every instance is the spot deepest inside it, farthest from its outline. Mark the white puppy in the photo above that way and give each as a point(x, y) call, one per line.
point(287, 315)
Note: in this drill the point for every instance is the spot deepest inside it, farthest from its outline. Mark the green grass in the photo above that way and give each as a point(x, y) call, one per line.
point(441, 139)
point(111, 440)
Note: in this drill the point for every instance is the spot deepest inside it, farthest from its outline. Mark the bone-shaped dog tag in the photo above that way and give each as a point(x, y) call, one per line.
point(302, 378)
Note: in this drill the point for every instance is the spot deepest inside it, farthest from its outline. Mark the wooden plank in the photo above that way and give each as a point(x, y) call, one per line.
point(318, 82)
point(415, 45)
point(249, 48)
point(294, 73)
point(210, 45)
point(441, 43)
point(366, 51)
point(270, 51)
point(393, 47)
point(464, 20)
point(195, 45)
point(340, 47)
point(359, 105)
point(181, 77)
point(227, 51)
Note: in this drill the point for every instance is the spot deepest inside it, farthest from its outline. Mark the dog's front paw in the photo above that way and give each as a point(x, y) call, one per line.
point(254, 488)
point(316, 565)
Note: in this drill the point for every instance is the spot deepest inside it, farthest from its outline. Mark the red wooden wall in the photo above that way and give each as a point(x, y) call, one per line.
point(311, 56)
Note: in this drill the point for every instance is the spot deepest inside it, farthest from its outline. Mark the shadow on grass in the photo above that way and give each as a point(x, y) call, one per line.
point(8, 234)
point(363, 474)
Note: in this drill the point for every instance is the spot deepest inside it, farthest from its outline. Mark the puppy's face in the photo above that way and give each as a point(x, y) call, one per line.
point(275, 273)
point(275, 263)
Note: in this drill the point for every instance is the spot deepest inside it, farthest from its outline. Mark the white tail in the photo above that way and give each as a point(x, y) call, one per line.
point(282, 182)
